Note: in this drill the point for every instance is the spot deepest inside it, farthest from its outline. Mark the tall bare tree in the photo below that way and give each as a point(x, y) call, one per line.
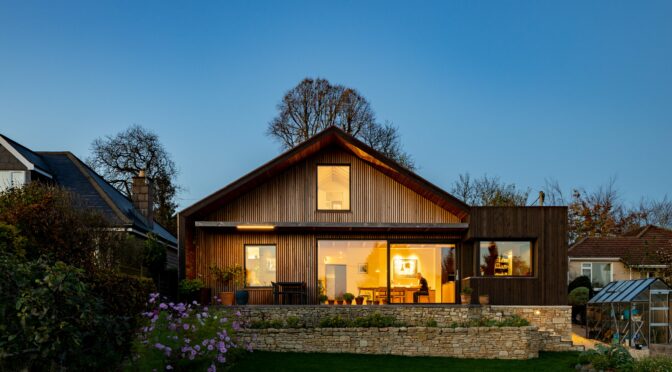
point(121, 157)
point(488, 191)
point(316, 104)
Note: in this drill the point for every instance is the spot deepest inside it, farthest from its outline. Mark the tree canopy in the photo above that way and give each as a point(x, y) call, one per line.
point(488, 191)
point(316, 104)
point(120, 157)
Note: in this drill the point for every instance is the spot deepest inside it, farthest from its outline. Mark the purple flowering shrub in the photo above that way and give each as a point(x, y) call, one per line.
point(179, 336)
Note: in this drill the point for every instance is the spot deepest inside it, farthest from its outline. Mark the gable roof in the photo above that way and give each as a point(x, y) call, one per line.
point(331, 136)
point(645, 248)
point(27, 157)
point(73, 174)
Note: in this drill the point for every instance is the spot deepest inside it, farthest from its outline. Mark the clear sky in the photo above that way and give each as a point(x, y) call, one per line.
point(576, 91)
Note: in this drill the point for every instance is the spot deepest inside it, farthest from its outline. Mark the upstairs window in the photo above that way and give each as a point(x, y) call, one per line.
point(333, 187)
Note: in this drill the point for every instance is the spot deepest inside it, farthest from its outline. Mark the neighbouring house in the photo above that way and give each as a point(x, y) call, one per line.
point(635, 255)
point(20, 165)
point(334, 214)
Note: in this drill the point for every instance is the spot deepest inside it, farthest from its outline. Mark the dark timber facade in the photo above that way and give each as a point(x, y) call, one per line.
point(374, 236)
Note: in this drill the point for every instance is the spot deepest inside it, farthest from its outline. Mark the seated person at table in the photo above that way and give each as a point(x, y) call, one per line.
point(424, 290)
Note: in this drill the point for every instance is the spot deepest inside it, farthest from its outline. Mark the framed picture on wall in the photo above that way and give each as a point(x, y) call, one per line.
point(405, 267)
point(363, 268)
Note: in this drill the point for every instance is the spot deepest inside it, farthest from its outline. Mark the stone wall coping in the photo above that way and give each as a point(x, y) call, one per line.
point(393, 329)
point(396, 306)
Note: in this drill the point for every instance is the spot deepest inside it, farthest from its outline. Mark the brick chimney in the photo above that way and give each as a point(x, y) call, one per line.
point(143, 196)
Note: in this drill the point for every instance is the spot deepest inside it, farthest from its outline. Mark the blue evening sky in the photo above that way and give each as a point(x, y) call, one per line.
point(579, 91)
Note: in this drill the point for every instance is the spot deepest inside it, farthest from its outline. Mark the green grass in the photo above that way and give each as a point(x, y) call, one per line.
point(268, 361)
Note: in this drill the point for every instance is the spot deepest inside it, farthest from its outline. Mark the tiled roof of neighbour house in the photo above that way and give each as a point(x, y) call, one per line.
point(73, 174)
point(644, 248)
point(28, 154)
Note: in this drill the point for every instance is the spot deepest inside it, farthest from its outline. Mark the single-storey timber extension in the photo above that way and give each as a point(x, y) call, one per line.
point(335, 214)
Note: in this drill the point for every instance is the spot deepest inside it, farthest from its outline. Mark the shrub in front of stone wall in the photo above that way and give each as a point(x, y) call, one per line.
point(512, 321)
point(375, 320)
point(608, 358)
point(653, 364)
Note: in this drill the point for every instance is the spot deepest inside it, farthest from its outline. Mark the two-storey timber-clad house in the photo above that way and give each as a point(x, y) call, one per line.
point(336, 212)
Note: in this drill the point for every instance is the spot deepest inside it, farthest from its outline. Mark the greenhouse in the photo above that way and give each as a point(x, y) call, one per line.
point(632, 312)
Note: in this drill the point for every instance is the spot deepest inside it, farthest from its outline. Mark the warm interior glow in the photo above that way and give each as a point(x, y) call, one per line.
point(255, 227)
point(333, 187)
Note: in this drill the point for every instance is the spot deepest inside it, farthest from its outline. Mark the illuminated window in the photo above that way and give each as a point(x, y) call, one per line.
point(260, 266)
point(506, 258)
point(333, 187)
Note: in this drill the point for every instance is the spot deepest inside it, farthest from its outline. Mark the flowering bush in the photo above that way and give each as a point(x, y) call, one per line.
point(187, 337)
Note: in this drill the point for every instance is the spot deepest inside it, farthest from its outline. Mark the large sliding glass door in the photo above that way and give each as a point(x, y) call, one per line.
point(418, 273)
point(422, 273)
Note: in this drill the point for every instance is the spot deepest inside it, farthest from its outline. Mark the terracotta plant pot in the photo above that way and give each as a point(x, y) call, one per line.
point(466, 299)
point(359, 300)
point(331, 302)
point(340, 302)
point(376, 302)
point(484, 300)
point(226, 298)
point(349, 302)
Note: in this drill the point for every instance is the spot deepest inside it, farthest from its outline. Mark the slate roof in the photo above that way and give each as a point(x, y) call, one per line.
point(643, 247)
point(71, 173)
point(31, 156)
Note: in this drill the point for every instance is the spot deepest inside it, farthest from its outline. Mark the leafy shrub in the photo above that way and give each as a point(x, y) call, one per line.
point(335, 322)
point(613, 357)
point(293, 322)
point(375, 320)
point(182, 337)
point(579, 296)
point(512, 321)
point(653, 364)
point(188, 286)
point(348, 296)
point(431, 323)
point(263, 324)
point(581, 281)
point(466, 291)
point(154, 255)
point(51, 319)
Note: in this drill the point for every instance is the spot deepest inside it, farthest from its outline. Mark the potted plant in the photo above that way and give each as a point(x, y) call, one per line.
point(339, 299)
point(348, 297)
point(483, 299)
point(465, 295)
point(322, 298)
point(190, 290)
point(222, 276)
point(238, 275)
point(359, 300)
point(330, 301)
point(321, 293)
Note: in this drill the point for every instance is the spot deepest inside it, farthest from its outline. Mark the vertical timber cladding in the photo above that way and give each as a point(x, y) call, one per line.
point(296, 255)
point(547, 228)
point(291, 197)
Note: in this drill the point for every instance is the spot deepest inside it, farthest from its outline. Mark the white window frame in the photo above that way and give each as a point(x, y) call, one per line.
point(589, 266)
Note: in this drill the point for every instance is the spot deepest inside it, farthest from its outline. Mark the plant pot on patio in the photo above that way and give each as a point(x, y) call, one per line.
point(242, 297)
point(465, 296)
point(331, 302)
point(484, 299)
point(348, 297)
point(359, 300)
point(340, 302)
point(226, 298)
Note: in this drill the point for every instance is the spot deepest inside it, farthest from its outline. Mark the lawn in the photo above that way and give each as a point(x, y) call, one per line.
point(260, 361)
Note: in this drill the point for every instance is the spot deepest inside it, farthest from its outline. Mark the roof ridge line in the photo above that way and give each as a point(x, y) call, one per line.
point(97, 187)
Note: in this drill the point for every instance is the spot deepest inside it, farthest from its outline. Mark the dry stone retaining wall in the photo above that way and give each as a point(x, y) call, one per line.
point(477, 342)
point(554, 322)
